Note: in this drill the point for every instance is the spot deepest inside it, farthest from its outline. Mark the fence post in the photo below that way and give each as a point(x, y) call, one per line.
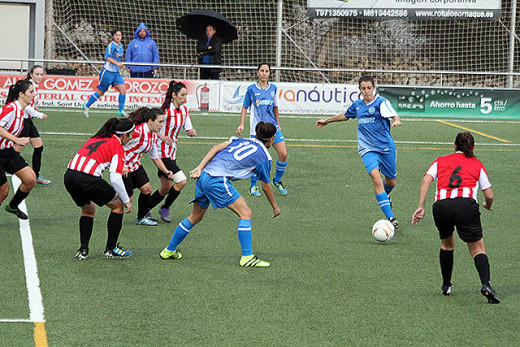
point(512, 44)
point(279, 40)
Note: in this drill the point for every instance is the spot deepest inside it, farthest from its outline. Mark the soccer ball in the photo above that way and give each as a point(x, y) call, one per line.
point(383, 230)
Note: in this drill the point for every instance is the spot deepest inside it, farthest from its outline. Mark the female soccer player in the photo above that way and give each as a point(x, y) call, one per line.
point(262, 98)
point(84, 182)
point(148, 122)
point(20, 95)
point(232, 160)
point(177, 117)
point(110, 75)
point(458, 177)
point(375, 144)
point(35, 76)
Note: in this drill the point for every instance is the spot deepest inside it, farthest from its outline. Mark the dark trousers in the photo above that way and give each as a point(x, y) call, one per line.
point(210, 74)
point(147, 74)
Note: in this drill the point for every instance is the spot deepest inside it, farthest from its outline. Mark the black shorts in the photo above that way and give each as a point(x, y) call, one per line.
point(84, 188)
point(10, 161)
point(135, 179)
point(171, 165)
point(29, 129)
point(462, 213)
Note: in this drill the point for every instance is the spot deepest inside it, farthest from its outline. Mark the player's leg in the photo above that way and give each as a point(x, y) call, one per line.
point(28, 178)
point(281, 162)
point(179, 182)
point(371, 161)
point(446, 263)
point(139, 178)
point(443, 212)
point(86, 225)
point(114, 226)
point(37, 144)
point(105, 80)
point(481, 261)
point(119, 85)
point(173, 193)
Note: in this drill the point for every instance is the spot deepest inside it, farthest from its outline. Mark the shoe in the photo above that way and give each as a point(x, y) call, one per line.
point(149, 216)
point(122, 114)
point(394, 222)
point(165, 215)
point(146, 221)
point(280, 187)
point(82, 254)
point(167, 254)
point(16, 212)
point(490, 294)
point(253, 261)
point(446, 290)
point(253, 191)
point(117, 252)
point(84, 108)
point(42, 181)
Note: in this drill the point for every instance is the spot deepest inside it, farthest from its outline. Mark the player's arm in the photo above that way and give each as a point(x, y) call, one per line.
point(195, 173)
point(488, 195)
point(268, 191)
point(240, 128)
point(33, 113)
point(160, 165)
point(21, 141)
point(425, 185)
point(115, 62)
point(397, 121)
point(320, 123)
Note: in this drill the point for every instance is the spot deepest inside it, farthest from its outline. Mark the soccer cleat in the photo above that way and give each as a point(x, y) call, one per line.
point(117, 252)
point(42, 181)
point(165, 215)
point(280, 187)
point(146, 221)
point(122, 114)
point(253, 261)
point(490, 294)
point(82, 254)
point(149, 216)
point(253, 191)
point(446, 290)
point(16, 212)
point(84, 108)
point(167, 254)
point(394, 222)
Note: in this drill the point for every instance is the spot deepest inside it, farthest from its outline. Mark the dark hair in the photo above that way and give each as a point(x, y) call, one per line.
point(173, 87)
point(367, 78)
point(260, 65)
point(31, 71)
point(115, 31)
point(465, 143)
point(115, 126)
point(144, 114)
point(265, 131)
point(20, 86)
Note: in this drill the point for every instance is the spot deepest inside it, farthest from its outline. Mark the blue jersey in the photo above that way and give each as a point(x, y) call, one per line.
point(115, 52)
point(373, 125)
point(262, 103)
point(242, 158)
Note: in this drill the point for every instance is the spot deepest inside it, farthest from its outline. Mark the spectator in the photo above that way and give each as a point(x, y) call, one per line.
point(208, 53)
point(142, 49)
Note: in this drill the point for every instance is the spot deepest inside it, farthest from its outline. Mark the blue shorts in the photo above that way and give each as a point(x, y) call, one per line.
point(215, 190)
point(278, 137)
point(108, 79)
point(384, 162)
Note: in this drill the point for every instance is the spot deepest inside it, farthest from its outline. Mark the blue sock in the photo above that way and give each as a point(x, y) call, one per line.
point(121, 99)
point(388, 190)
point(245, 236)
point(93, 98)
point(280, 170)
point(253, 181)
point(180, 233)
point(384, 204)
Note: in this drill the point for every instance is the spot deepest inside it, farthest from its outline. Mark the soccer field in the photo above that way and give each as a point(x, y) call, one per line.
point(330, 282)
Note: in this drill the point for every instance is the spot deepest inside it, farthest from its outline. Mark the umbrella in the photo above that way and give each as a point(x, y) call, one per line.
point(194, 25)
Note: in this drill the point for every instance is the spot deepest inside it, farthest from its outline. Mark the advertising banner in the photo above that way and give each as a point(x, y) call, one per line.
point(409, 9)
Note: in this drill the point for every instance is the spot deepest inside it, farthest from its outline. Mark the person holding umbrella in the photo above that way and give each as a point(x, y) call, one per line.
point(208, 53)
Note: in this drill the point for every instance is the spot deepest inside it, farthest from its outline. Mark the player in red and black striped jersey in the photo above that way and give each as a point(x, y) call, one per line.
point(459, 176)
point(148, 122)
point(87, 188)
point(20, 95)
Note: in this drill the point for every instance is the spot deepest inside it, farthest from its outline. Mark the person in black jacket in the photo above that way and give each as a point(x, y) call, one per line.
point(208, 53)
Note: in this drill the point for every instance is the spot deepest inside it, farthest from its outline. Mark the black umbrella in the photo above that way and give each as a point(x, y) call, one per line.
point(194, 25)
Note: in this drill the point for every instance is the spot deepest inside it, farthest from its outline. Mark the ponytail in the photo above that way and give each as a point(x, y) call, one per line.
point(20, 86)
point(464, 142)
point(144, 114)
point(173, 87)
point(115, 126)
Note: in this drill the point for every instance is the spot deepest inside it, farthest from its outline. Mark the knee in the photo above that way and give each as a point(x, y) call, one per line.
point(390, 182)
point(146, 189)
point(4, 192)
point(282, 157)
point(180, 185)
point(30, 181)
point(246, 214)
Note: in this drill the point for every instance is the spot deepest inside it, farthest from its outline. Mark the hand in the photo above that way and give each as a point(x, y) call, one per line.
point(128, 207)
point(22, 141)
point(195, 173)
point(169, 175)
point(240, 128)
point(276, 212)
point(417, 215)
point(191, 132)
point(166, 140)
point(320, 123)
point(396, 123)
point(125, 172)
point(209, 47)
point(486, 206)
point(44, 116)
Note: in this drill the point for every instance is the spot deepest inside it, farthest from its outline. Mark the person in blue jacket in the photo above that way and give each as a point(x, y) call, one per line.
point(142, 49)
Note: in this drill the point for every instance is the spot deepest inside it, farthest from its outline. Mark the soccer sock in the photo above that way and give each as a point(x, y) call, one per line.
point(384, 204)
point(180, 234)
point(245, 236)
point(143, 203)
point(170, 198)
point(482, 265)
point(93, 98)
point(446, 260)
point(388, 190)
point(37, 160)
point(114, 225)
point(253, 181)
point(155, 199)
point(85, 230)
point(280, 170)
point(121, 99)
point(17, 199)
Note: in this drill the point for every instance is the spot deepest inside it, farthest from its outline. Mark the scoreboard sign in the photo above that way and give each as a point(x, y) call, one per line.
point(405, 9)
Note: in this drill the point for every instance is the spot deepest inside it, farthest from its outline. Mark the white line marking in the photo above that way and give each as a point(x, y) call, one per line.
point(16, 321)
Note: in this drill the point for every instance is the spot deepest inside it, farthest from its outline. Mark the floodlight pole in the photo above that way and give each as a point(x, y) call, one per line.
point(512, 44)
point(279, 40)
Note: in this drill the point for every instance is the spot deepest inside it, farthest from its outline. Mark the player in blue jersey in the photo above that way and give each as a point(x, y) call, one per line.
point(262, 99)
point(375, 144)
point(232, 160)
point(110, 75)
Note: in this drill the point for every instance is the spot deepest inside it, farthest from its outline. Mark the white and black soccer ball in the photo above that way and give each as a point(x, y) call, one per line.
point(383, 230)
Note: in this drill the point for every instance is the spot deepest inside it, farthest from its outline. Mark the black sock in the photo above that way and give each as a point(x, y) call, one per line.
point(17, 199)
point(170, 198)
point(37, 160)
point(482, 265)
point(114, 225)
point(85, 230)
point(155, 199)
point(446, 260)
point(143, 205)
